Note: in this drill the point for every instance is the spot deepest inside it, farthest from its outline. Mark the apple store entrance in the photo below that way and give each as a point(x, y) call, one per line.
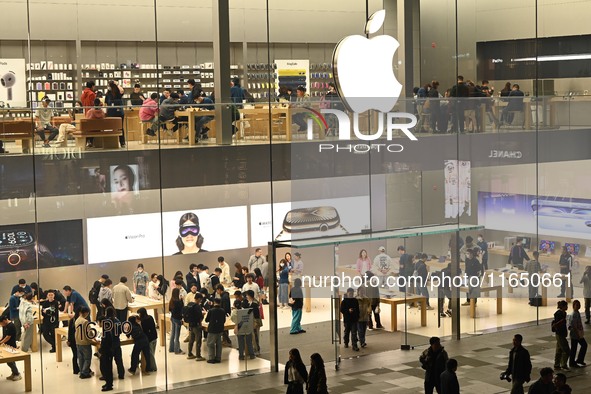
point(393, 312)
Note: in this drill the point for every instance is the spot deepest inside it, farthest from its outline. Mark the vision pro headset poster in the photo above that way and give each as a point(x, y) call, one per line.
point(13, 88)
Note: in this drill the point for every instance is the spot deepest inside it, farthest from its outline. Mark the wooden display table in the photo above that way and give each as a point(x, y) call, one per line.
point(395, 298)
point(37, 322)
point(485, 289)
point(506, 273)
point(106, 132)
point(8, 355)
point(61, 332)
point(164, 322)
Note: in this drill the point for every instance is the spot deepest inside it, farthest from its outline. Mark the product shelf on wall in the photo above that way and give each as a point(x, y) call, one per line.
point(53, 80)
point(258, 75)
point(320, 76)
point(152, 76)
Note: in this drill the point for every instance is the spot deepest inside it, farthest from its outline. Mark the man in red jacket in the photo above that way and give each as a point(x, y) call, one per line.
point(88, 95)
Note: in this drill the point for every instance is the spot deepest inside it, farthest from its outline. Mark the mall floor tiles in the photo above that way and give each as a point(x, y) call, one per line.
point(481, 359)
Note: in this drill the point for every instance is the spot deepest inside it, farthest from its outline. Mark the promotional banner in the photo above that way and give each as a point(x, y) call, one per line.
point(131, 237)
point(293, 73)
point(13, 88)
point(458, 200)
point(564, 217)
point(309, 219)
point(57, 244)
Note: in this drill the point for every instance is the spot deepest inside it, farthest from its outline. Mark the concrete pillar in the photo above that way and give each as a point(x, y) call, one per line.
point(221, 72)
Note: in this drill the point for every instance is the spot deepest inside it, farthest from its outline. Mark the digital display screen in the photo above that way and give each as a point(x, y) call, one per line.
point(573, 248)
point(547, 246)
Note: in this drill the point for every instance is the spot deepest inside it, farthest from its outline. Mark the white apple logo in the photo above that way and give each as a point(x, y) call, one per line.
point(363, 69)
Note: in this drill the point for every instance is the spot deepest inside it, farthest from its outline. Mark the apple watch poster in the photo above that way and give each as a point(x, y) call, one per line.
point(57, 244)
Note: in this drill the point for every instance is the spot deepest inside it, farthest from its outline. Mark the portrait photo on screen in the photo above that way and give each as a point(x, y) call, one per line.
point(205, 230)
point(124, 186)
point(57, 244)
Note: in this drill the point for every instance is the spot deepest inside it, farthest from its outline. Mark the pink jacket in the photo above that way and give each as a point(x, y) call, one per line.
point(148, 110)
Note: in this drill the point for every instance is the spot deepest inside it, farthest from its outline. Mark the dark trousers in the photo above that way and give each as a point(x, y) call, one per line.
point(301, 120)
point(376, 316)
point(195, 335)
point(121, 314)
point(13, 368)
point(53, 132)
point(429, 386)
point(119, 361)
point(587, 309)
point(350, 330)
point(48, 331)
point(573, 350)
point(75, 366)
point(458, 116)
point(106, 366)
point(135, 356)
point(175, 122)
point(563, 285)
point(361, 330)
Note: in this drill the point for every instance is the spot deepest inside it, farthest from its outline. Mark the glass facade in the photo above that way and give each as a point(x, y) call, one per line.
point(416, 157)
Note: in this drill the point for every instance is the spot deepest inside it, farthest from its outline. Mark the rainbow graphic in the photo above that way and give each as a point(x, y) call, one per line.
point(318, 118)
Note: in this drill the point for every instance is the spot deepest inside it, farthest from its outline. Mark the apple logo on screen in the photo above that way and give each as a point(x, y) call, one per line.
point(363, 69)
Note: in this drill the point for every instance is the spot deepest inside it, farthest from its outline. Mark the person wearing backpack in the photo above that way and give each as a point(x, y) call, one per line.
point(193, 316)
point(559, 327)
point(93, 294)
point(433, 360)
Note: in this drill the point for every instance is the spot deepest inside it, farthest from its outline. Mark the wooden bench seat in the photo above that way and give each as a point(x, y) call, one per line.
point(106, 132)
point(18, 130)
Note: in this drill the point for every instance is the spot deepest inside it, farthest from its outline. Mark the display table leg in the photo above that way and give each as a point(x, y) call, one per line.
point(58, 346)
point(394, 317)
point(28, 380)
point(544, 296)
point(162, 331)
point(35, 342)
point(499, 301)
point(424, 313)
point(472, 308)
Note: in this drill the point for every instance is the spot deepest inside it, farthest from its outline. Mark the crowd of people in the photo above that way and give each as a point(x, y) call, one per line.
point(459, 107)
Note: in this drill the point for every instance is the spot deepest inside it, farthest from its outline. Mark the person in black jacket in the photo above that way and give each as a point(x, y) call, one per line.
point(224, 297)
point(114, 101)
point(459, 92)
point(559, 327)
point(106, 352)
point(296, 301)
point(50, 312)
point(350, 312)
point(449, 379)
point(317, 377)
point(434, 361)
point(72, 341)
point(518, 254)
point(519, 368)
point(140, 344)
point(216, 317)
point(565, 263)
point(149, 328)
point(423, 273)
point(295, 373)
point(473, 270)
point(194, 319)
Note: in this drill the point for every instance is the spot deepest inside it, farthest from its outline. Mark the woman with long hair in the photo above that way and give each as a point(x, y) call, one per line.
point(283, 271)
point(317, 378)
point(175, 307)
point(114, 101)
point(295, 373)
point(149, 328)
point(189, 239)
point(363, 262)
point(238, 276)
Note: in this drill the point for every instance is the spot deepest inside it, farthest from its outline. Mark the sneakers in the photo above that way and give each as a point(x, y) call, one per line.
point(131, 371)
point(380, 327)
point(467, 303)
point(151, 133)
point(430, 308)
point(179, 352)
point(15, 378)
point(46, 145)
point(448, 312)
point(363, 344)
point(442, 314)
point(191, 357)
point(199, 358)
point(346, 345)
point(355, 348)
